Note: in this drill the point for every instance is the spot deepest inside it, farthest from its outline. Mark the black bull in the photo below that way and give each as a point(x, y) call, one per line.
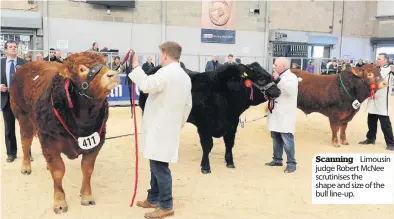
point(219, 98)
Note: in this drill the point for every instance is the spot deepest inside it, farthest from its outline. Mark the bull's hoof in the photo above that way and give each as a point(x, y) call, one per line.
point(336, 145)
point(87, 203)
point(26, 169)
point(60, 207)
point(345, 142)
point(87, 200)
point(26, 172)
point(230, 166)
point(205, 171)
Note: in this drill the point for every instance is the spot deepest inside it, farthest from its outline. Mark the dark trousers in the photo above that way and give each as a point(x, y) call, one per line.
point(161, 185)
point(385, 124)
point(283, 141)
point(9, 128)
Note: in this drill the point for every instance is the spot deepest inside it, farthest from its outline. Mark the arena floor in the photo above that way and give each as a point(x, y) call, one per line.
point(249, 191)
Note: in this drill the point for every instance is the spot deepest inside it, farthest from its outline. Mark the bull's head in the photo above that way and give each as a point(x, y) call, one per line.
point(370, 74)
point(89, 74)
point(260, 81)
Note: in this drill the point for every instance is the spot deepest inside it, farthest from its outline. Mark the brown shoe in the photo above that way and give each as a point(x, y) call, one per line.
point(146, 204)
point(159, 214)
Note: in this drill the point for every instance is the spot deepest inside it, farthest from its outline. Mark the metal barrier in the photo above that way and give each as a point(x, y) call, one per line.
point(120, 95)
point(198, 62)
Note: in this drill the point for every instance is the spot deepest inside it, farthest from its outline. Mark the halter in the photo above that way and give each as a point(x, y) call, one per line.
point(82, 88)
point(249, 83)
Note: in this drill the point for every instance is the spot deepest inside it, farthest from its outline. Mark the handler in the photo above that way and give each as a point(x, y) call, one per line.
point(282, 120)
point(379, 107)
point(166, 111)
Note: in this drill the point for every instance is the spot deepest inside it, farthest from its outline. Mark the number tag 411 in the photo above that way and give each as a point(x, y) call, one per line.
point(356, 104)
point(89, 142)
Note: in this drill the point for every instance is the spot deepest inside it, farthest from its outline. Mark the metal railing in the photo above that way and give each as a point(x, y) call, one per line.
point(198, 62)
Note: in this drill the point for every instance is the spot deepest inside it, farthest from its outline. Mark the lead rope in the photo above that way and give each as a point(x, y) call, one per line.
point(135, 129)
point(136, 145)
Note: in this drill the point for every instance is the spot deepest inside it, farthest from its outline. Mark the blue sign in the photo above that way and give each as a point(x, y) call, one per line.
point(218, 36)
point(120, 95)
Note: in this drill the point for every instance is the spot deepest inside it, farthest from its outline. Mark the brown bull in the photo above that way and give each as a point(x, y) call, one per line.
point(66, 106)
point(337, 96)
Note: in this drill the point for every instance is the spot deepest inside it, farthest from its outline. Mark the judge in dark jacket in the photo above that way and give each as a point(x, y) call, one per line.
point(9, 64)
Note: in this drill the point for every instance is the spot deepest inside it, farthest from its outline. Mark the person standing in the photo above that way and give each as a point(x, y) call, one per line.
point(212, 64)
point(148, 65)
point(282, 120)
point(166, 111)
point(8, 68)
point(378, 108)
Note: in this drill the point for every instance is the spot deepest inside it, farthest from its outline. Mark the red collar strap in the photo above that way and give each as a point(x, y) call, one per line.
point(271, 105)
point(66, 85)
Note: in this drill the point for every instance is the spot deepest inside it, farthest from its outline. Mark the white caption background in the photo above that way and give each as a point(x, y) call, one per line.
point(347, 177)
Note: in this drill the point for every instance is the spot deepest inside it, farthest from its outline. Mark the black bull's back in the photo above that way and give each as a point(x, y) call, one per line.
point(211, 103)
point(219, 98)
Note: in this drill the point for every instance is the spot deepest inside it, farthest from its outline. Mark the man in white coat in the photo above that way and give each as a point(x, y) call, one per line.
point(166, 111)
point(282, 120)
point(379, 107)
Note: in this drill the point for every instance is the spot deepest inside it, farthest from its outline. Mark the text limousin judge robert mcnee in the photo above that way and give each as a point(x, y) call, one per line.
point(353, 179)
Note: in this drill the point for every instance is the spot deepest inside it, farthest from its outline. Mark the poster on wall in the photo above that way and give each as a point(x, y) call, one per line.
point(218, 19)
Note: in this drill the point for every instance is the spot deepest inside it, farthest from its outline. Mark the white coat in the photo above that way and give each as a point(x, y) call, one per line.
point(283, 116)
point(380, 104)
point(166, 110)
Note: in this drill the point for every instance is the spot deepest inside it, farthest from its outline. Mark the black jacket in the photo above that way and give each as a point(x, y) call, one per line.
point(146, 66)
point(5, 96)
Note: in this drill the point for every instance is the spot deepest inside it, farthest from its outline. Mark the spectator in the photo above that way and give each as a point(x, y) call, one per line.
point(212, 65)
point(345, 65)
point(310, 67)
point(360, 63)
point(39, 57)
point(116, 65)
point(51, 57)
point(238, 60)
point(95, 48)
point(27, 57)
point(58, 56)
point(230, 59)
point(333, 68)
point(9, 65)
point(148, 65)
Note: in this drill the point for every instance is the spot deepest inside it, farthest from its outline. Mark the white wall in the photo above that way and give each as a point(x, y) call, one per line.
point(354, 47)
point(385, 7)
point(82, 33)
point(145, 38)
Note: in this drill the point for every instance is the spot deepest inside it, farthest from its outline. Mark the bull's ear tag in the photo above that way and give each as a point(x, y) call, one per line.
point(89, 142)
point(246, 75)
point(356, 104)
